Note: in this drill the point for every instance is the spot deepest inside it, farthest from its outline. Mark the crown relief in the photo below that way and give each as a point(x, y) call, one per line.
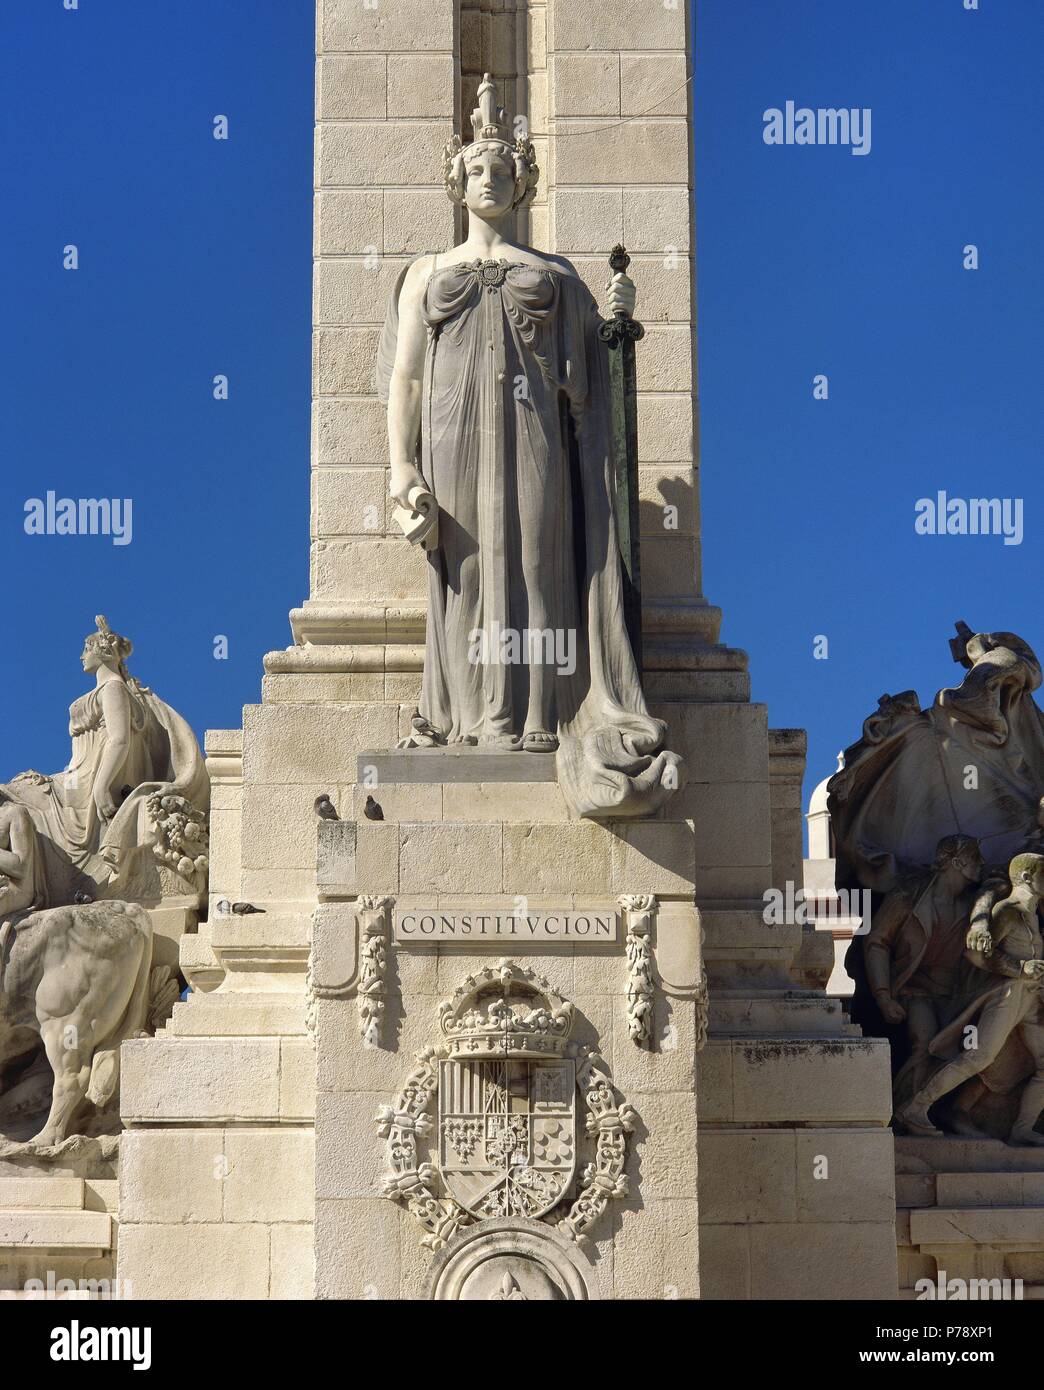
point(505, 1009)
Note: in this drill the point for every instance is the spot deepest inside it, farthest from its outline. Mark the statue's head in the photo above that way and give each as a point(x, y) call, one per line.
point(498, 171)
point(962, 853)
point(1028, 869)
point(103, 647)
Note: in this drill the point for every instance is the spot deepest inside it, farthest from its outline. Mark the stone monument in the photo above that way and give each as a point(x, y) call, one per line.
point(500, 1014)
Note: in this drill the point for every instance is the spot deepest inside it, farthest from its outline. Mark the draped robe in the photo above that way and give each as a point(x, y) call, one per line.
point(515, 446)
point(80, 851)
point(906, 784)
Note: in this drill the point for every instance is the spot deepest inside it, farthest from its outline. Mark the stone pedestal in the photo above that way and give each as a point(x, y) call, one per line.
point(497, 876)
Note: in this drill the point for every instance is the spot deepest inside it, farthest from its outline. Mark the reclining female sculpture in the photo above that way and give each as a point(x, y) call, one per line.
point(131, 753)
point(497, 389)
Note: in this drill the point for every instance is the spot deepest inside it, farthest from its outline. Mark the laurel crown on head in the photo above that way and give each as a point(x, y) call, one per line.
point(110, 643)
point(490, 126)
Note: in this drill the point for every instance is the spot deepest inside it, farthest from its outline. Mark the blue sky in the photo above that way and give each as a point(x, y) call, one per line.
point(195, 260)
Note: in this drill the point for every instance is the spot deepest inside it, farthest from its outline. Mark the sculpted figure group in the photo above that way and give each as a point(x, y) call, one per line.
point(83, 853)
point(958, 959)
point(954, 959)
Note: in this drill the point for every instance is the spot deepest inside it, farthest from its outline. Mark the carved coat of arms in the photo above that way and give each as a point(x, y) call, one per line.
point(505, 1138)
point(507, 1133)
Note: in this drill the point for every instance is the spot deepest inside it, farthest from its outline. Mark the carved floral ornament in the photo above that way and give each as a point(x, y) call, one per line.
point(641, 990)
point(368, 985)
point(639, 911)
point(504, 1136)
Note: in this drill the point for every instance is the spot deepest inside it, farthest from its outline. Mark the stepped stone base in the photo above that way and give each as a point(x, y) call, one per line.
point(57, 1234)
point(969, 1209)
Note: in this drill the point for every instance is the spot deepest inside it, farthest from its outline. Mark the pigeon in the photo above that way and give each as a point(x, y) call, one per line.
point(242, 909)
point(81, 898)
point(372, 810)
point(325, 809)
point(222, 907)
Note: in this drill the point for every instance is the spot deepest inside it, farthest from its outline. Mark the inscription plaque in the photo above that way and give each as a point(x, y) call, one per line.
point(494, 928)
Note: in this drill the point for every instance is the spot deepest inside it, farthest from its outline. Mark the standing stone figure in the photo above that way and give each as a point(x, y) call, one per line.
point(1009, 1004)
point(915, 949)
point(498, 407)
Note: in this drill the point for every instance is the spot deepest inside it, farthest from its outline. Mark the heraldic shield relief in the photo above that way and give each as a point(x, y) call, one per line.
point(507, 1133)
point(507, 1080)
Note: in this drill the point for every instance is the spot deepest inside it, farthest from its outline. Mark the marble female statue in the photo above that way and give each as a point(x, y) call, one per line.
point(127, 747)
point(496, 383)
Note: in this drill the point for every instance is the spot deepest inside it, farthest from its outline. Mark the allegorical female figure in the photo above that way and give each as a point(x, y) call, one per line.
point(497, 389)
point(126, 745)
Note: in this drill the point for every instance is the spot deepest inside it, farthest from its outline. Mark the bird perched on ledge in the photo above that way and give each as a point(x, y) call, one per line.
point(223, 908)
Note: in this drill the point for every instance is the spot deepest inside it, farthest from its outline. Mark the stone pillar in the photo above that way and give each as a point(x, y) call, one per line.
point(620, 113)
point(386, 98)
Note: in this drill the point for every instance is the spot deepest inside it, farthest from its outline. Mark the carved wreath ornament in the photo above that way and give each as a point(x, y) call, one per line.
point(504, 1085)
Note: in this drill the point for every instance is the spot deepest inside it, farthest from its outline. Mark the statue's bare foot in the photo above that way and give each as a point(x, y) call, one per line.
point(46, 1139)
point(914, 1119)
point(539, 741)
point(1024, 1137)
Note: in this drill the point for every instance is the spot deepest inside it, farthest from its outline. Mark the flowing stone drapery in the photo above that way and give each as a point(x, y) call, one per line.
point(162, 757)
point(515, 447)
point(972, 764)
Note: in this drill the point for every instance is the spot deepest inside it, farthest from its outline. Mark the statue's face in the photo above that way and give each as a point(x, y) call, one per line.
point(489, 184)
point(970, 864)
point(1036, 882)
point(90, 657)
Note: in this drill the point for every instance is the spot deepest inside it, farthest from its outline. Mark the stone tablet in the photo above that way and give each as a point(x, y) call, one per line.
point(494, 928)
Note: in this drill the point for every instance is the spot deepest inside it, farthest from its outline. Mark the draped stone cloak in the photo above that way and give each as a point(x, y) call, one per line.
point(515, 447)
point(905, 784)
point(79, 850)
